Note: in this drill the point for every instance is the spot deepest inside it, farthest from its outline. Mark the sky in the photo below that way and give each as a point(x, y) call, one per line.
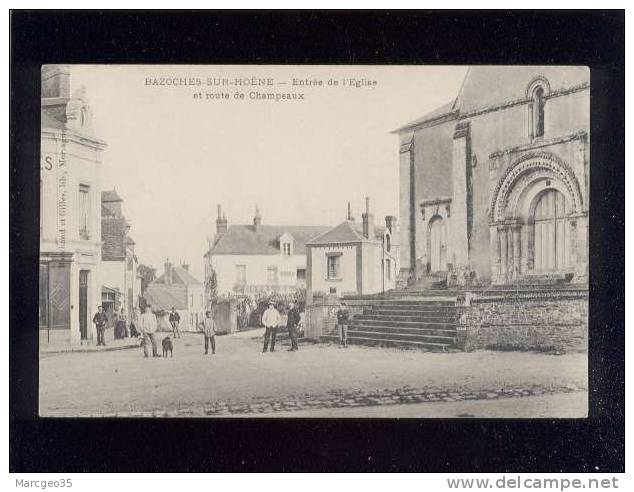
point(173, 157)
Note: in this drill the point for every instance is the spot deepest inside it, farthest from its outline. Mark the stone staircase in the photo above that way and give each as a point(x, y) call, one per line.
point(419, 323)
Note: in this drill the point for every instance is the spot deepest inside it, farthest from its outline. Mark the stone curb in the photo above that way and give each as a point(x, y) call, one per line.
point(340, 399)
point(89, 350)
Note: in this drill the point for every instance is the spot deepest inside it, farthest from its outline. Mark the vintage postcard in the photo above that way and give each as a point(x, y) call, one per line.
point(314, 241)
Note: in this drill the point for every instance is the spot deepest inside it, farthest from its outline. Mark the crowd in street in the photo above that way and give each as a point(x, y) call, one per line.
point(145, 326)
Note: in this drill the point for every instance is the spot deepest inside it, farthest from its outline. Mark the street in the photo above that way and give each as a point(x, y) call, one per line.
point(319, 380)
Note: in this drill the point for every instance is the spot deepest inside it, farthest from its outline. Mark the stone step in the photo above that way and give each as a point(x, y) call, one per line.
point(405, 330)
point(408, 316)
point(386, 342)
point(405, 337)
point(406, 324)
point(406, 310)
point(415, 302)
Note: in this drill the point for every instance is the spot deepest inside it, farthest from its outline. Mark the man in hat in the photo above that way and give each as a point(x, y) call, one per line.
point(100, 319)
point(291, 324)
point(148, 329)
point(209, 331)
point(342, 324)
point(175, 320)
point(270, 320)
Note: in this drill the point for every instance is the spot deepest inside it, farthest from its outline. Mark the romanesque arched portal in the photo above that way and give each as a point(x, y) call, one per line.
point(534, 212)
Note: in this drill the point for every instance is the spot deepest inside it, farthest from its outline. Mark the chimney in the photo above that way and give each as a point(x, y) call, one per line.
point(257, 219)
point(221, 222)
point(368, 220)
point(168, 272)
point(390, 223)
point(350, 217)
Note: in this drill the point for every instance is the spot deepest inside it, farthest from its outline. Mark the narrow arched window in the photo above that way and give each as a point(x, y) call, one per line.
point(538, 112)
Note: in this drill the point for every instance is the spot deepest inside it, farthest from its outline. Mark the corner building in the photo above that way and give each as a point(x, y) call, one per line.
point(70, 212)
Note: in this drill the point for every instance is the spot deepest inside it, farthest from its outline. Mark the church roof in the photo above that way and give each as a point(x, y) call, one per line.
point(180, 276)
point(496, 85)
point(346, 232)
point(438, 113)
point(243, 239)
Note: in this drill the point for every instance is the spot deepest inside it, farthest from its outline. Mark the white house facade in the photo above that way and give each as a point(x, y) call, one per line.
point(353, 258)
point(256, 258)
point(70, 219)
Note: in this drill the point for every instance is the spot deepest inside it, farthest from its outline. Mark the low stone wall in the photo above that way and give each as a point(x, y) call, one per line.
point(550, 322)
point(321, 314)
point(226, 316)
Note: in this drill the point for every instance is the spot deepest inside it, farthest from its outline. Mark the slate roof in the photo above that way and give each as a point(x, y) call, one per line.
point(242, 239)
point(162, 297)
point(180, 276)
point(110, 196)
point(346, 232)
point(444, 110)
point(487, 86)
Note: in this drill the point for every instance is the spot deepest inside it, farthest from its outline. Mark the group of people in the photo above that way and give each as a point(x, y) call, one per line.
point(271, 319)
point(123, 328)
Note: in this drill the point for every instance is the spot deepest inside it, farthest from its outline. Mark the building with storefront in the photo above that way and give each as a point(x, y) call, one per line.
point(70, 212)
point(494, 185)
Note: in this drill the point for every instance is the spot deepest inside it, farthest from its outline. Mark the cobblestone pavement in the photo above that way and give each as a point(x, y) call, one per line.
point(347, 400)
point(240, 381)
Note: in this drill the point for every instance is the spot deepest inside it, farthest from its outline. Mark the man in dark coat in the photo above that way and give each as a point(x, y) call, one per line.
point(291, 324)
point(100, 319)
point(342, 324)
point(175, 320)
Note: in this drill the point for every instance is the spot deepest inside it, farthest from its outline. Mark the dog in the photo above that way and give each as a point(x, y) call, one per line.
point(168, 346)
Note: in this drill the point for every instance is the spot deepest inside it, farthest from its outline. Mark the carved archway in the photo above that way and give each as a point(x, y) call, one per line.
point(523, 173)
point(512, 207)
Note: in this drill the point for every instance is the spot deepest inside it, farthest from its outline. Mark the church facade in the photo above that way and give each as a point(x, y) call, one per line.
point(494, 185)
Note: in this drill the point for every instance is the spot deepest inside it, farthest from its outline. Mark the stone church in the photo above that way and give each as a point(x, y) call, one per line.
point(494, 185)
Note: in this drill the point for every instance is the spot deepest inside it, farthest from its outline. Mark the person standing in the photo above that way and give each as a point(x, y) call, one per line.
point(126, 323)
point(291, 324)
point(148, 329)
point(175, 320)
point(120, 325)
point(209, 331)
point(270, 320)
point(100, 319)
point(134, 319)
point(342, 324)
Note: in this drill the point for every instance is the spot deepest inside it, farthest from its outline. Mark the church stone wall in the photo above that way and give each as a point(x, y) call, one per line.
point(553, 325)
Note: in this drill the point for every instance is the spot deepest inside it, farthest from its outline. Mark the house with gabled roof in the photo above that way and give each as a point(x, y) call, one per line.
point(353, 258)
point(177, 288)
point(256, 259)
point(120, 282)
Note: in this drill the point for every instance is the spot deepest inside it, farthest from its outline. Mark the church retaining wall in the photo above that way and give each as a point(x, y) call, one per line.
point(549, 323)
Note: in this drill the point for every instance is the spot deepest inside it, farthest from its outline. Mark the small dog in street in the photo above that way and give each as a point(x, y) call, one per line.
point(168, 346)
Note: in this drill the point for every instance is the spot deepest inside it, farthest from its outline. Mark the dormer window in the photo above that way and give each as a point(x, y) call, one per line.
point(286, 244)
